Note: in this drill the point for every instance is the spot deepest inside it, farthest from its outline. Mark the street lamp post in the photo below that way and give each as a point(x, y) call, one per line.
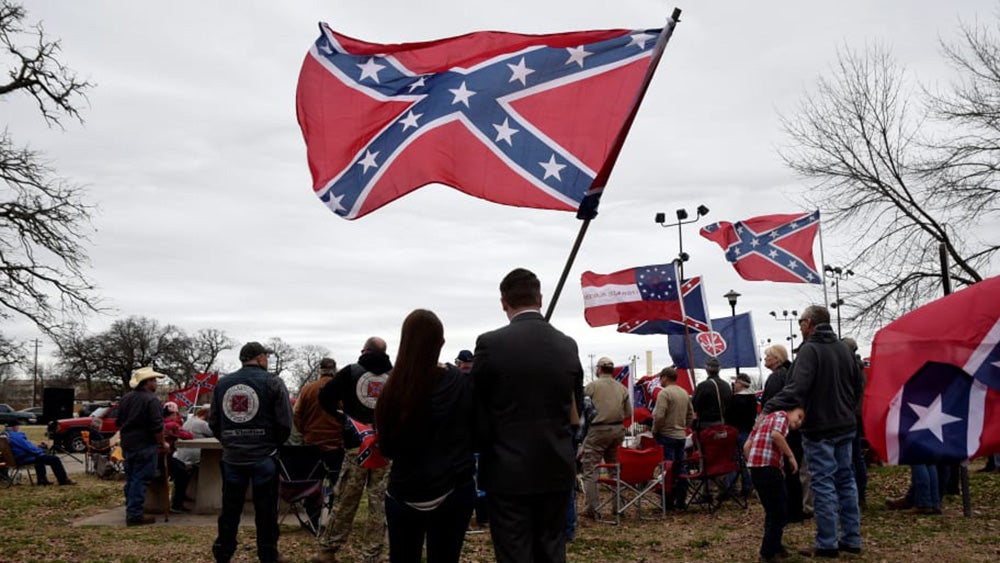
point(790, 319)
point(837, 273)
point(682, 215)
point(732, 296)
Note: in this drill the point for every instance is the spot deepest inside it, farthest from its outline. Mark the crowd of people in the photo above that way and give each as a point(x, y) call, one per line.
point(500, 432)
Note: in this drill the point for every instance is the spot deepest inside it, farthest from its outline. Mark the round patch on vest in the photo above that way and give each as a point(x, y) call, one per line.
point(240, 403)
point(369, 387)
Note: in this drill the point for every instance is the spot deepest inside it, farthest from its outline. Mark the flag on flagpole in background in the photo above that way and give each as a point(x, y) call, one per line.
point(695, 314)
point(732, 341)
point(621, 374)
point(934, 390)
point(648, 292)
point(770, 247)
point(186, 397)
point(522, 120)
point(206, 381)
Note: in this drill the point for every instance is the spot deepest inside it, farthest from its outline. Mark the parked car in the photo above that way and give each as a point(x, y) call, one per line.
point(87, 409)
point(67, 432)
point(34, 414)
point(8, 415)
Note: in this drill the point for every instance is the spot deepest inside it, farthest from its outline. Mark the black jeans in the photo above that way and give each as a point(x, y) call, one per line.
point(263, 476)
point(443, 527)
point(528, 527)
point(770, 486)
point(57, 468)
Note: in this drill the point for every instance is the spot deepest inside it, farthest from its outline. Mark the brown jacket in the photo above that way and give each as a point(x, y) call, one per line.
point(318, 427)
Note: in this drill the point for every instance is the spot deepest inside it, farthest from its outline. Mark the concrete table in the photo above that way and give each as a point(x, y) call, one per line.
point(208, 481)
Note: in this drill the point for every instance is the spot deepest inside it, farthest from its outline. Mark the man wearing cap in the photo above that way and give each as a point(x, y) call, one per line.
point(251, 416)
point(710, 396)
point(357, 387)
point(464, 361)
point(319, 428)
point(610, 399)
point(672, 416)
point(741, 412)
point(140, 420)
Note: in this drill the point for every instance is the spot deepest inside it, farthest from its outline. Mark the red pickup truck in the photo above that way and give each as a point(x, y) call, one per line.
point(66, 432)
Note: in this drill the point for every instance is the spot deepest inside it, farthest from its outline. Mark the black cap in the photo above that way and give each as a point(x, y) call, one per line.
point(464, 356)
point(251, 350)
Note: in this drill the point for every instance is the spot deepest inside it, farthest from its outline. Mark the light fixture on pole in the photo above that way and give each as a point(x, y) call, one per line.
point(732, 296)
point(682, 219)
point(837, 273)
point(790, 319)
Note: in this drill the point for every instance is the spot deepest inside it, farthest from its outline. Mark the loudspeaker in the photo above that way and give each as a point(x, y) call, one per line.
point(57, 402)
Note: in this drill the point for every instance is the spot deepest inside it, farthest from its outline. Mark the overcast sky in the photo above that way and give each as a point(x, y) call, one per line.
point(206, 217)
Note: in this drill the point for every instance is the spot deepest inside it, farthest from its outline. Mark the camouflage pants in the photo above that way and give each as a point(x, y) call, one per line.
point(353, 481)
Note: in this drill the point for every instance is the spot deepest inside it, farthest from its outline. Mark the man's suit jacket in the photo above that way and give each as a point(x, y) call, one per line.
point(526, 375)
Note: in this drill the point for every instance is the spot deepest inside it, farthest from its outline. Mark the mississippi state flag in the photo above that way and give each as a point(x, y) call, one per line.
point(649, 292)
point(933, 393)
point(522, 120)
point(695, 315)
point(770, 247)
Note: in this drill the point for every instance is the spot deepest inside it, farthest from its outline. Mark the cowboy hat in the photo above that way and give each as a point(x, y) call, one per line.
point(142, 374)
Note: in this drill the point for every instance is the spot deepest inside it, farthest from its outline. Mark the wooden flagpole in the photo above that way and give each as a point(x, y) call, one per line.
point(601, 180)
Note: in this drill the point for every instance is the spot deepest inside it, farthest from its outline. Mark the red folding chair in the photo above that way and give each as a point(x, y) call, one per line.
point(718, 457)
point(640, 478)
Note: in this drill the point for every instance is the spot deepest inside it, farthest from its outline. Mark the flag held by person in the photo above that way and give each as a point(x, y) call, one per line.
point(186, 397)
point(770, 247)
point(621, 374)
point(731, 341)
point(522, 120)
point(647, 292)
point(695, 315)
point(206, 381)
point(934, 390)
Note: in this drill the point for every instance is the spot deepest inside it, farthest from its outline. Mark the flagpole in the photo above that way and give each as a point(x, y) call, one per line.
point(601, 180)
point(822, 258)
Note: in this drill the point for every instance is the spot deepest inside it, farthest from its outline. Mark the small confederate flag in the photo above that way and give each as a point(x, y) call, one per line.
point(621, 374)
point(206, 381)
point(770, 247)
point(522, 120)
point(695, 315)
point(369, 455)
point(187, 396)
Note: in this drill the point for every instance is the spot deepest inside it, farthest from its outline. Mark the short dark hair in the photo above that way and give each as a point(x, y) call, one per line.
point(327, 366)
point(669, 373)
point(521, 288)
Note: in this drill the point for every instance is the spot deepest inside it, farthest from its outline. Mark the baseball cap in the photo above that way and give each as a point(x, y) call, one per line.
point(464, 356)
point(605, 362)
point(251, 350)
point(744, 379)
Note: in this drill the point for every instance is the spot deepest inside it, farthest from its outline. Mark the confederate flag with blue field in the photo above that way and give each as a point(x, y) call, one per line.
point(770, 247)
point(695, 315)
point(522, 120)
point(649, 292)
point(934, 390)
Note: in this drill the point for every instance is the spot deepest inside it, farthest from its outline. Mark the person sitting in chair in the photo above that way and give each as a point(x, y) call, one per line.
point(25, 452)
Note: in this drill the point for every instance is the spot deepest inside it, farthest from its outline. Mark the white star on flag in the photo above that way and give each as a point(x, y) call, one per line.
point(370, 70)
point(577, 54)
point(505, 131)
point(519, 72)
point(418, 83)
point(551, 168)
point(369, 160)
point(410, 120)
point(462, 94)
point(640, 39)
point(932, 418)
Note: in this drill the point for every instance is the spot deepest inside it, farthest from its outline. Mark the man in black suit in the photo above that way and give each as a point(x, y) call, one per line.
point(527, 376)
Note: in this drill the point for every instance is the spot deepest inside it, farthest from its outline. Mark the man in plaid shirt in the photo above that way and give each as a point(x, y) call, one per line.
point(764, 451)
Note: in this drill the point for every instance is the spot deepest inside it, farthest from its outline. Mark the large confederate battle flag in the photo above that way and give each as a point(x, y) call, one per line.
point(523, 120)
point(934, 390)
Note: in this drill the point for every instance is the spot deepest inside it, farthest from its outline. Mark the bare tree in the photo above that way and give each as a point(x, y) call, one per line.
point(306, 366)
point(44, 221)
point(197, 354)
point(857, 140)
point(284, 355)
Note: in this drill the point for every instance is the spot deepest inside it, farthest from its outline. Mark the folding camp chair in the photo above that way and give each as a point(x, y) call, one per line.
point(97, 456)
point(719, 455)
point(301, 475)
point(640, 478)
point(13, 473)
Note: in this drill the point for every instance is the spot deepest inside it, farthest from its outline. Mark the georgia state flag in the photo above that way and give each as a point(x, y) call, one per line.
point(934, 390)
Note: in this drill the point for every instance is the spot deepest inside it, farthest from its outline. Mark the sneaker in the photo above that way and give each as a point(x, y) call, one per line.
point(141, 521)
point(817, 552)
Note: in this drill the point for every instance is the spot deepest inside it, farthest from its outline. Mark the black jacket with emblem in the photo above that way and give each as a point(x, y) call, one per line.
point(251, 415)
point(357, 386)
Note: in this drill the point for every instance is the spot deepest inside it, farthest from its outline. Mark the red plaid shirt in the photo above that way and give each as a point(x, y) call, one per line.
point(763, 451)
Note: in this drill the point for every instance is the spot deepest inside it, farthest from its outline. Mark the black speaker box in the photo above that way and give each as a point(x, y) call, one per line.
point(57, 402)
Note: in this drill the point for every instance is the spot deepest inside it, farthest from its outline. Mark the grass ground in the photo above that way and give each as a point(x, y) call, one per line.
point(35, 526)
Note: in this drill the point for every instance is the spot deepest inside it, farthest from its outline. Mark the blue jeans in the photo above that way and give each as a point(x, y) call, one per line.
point(571, 515)
point(140, 467)
point(835, 494)
point(263, 476)
point(924, 483)
point(673, 450)
point(747, 485)
point(443, 527)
